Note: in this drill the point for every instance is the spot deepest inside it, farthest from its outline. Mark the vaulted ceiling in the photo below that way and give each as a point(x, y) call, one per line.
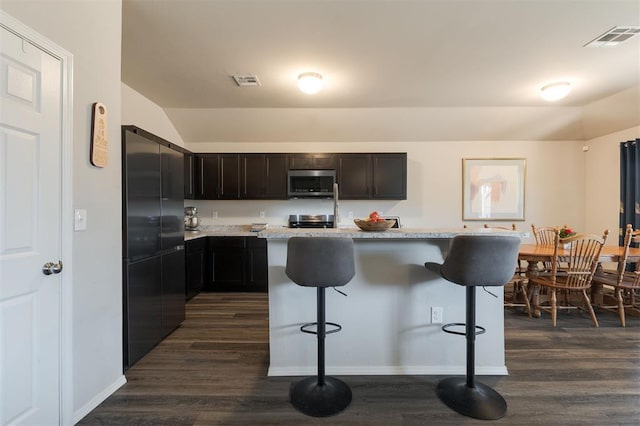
point(390, 54)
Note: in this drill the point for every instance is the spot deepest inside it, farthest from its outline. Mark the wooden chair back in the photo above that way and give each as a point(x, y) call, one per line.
point(622, 262)
point(544, 236)
point(581, 262)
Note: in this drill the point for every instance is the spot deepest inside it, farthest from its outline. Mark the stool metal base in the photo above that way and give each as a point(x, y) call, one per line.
point(316, 400)
point(480, 402)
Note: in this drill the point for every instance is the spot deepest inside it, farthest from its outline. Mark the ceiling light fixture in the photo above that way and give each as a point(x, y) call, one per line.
point(555, 91)
point(310, 82)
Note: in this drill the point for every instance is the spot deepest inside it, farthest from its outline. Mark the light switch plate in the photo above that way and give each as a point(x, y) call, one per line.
point(80, 220)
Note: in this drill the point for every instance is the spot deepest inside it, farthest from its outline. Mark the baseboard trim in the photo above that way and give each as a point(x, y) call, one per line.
point(98, 399)
point(436, 370)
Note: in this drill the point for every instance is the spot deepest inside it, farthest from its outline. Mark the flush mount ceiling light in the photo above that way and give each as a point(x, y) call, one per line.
point(555, 91)
point(310, 82)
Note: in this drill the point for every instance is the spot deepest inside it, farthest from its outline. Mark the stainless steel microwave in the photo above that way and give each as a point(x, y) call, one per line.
point(310, 183)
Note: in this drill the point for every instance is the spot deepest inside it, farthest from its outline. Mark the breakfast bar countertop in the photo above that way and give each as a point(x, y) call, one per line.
point(282, 232)
point(390, 234)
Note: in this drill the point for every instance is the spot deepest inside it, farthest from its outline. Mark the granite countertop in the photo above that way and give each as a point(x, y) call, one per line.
point(391, 234)
point(220, 231)
point(282, 232)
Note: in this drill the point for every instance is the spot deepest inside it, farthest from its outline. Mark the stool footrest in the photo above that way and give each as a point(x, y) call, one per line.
point(306, 328)
point(446, 328)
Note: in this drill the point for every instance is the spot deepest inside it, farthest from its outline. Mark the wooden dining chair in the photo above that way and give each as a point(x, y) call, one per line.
point(624, 284)
point(581, 263)
point(517, 286)
point(544, 236)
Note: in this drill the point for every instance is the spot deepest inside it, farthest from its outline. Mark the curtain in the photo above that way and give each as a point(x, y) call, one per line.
point(629, 185)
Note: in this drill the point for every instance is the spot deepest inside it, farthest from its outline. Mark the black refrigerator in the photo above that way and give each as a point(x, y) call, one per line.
point(153, 241)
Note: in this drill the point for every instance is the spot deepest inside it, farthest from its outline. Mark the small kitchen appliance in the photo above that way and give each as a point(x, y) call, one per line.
point(191, 219)
point(311, 221)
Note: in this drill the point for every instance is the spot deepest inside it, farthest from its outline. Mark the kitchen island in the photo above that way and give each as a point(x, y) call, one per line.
point(386, 317)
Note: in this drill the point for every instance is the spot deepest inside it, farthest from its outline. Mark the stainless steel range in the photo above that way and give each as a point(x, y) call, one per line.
point(311, 221)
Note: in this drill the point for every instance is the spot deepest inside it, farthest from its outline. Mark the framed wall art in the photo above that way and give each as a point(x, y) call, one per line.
point(493, 188)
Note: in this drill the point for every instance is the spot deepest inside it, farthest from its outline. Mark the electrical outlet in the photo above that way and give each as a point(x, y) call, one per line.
point(262, 214)
point(350, 215)
point(214, 215)
point(436, 315)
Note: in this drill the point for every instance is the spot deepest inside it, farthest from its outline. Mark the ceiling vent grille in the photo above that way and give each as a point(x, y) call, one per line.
point(246, 80)
point(614, 36)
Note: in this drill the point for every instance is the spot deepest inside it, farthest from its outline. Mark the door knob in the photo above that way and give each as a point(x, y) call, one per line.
point(52, 268)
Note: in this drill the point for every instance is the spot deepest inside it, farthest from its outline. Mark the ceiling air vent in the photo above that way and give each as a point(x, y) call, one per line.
point(247, 80)
point(614, 36)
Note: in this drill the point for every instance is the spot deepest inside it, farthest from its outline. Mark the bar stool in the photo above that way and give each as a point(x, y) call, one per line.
point(475, 260)
point(320, 262)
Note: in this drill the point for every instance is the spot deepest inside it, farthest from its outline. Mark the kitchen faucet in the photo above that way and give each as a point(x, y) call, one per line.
point(335, 205)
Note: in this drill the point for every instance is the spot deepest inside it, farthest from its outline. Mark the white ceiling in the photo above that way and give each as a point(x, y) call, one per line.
point(375, 54)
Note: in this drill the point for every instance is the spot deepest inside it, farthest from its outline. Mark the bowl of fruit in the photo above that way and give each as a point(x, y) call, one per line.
point(374, 223)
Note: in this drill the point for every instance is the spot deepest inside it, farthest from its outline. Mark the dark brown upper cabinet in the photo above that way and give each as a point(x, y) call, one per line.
point(253, 176)
point(354, 176)
point(206, 176)
point(263, 176)
point(229, 177)
point(312, 161)
point(189, 176)
point(389, 176)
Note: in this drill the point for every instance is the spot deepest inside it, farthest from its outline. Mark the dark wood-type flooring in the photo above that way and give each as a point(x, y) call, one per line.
point(212, 371)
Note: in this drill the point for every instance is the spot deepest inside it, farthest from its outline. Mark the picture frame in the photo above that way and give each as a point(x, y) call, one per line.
point(493, 189)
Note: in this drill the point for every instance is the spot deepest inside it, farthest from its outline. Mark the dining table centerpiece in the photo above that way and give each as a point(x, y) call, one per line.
point(566, 232)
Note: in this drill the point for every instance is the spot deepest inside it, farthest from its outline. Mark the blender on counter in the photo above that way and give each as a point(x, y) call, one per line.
point(191, 220)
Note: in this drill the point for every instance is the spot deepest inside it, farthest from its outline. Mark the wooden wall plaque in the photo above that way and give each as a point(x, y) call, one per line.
point(99, 141)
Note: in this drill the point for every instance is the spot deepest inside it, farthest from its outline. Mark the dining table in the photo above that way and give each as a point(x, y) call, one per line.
point(533, 254)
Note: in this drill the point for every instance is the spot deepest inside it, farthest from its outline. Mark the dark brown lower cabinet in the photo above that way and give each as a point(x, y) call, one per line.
point(237, 264)
point(195, 266)
point(257, 269)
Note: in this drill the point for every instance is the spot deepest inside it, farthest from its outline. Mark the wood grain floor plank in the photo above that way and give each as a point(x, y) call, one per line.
point(212, 371)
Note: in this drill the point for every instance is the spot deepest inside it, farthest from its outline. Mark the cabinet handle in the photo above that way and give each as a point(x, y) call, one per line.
point(201, 176)
point(213, 269)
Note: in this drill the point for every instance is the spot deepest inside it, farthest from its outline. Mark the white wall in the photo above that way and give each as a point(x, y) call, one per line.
point(139, 111)
point(602, 182)
point(91, 32)
point(612, 114)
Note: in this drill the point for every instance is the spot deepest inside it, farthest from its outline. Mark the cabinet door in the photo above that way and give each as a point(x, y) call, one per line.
point(195, 266)
point(229, 177)
point(189, 187)
point(263, 176)
point(227, 263)
point(276, 176)
point(354, 176)
point(142, 309)
point(253, 173)
point(257, 271)
point(172, 200)
point(311, 161)
point(173, 289)
point(390, 176)
point(142, 195)
point(207, 176)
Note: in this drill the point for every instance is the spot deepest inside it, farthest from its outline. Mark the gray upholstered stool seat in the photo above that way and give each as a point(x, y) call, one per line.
point(320, 262)
point(473, 261)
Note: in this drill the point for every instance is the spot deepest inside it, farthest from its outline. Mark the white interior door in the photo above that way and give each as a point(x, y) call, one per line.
point(30, 232)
